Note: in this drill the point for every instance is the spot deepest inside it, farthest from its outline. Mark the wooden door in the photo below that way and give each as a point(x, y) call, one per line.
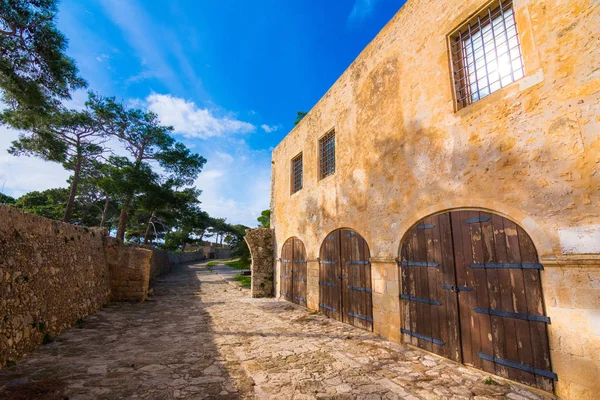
point(345, 279)
point(428, 301)
point(299, 273)
point(357, 307)
point(330, 294)
point(285, 281)
point(502, 318)
point(477, 275)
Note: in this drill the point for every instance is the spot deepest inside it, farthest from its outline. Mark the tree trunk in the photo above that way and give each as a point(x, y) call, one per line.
point(123, 217)
point(125, 208)
point(69, 207)
point(147, 235)
point(105, 210)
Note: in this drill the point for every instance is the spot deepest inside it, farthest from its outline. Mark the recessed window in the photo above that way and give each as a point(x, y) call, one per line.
point(486, 54)
point(327, 155)
point(297, 173)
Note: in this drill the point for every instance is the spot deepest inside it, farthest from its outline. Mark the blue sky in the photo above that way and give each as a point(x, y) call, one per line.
point(229, 75)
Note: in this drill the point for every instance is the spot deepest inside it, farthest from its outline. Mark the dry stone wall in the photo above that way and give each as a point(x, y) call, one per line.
point(184, 258)
point(129, 269)
point(260, 242)
point(51, 275)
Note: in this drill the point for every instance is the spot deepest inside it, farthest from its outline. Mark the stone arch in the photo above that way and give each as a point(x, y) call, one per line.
point(261, 244)
point(534, 230)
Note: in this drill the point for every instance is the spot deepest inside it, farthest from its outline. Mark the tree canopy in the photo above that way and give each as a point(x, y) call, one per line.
point(299, 116)
point(35, 72)
point(265, 219)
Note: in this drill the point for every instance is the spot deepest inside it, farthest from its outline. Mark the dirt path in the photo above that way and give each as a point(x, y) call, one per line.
point(200, 338)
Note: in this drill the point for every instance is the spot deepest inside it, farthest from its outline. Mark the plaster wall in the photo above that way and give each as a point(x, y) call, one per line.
point(529, 152)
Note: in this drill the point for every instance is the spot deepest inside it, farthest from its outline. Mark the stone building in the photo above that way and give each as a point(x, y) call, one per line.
point(445, 191)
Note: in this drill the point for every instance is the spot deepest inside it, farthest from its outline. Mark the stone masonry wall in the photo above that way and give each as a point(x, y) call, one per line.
point(129, 270)
point(528, 152)
point(160, 263)
point(51, 275)
point(183, 258)
point(260, 242)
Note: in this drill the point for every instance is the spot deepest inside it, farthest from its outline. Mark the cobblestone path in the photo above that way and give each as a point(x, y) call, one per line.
point(200, 338)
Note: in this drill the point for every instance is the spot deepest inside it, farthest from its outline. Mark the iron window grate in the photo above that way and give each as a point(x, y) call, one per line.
point(297, 173)
point(486, 54)
point(327, 155)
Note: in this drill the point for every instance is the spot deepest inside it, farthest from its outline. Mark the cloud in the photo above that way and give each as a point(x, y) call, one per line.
point(19, 175)
point(270, 129)
point(361, 10)
point(102, 57)
point(238, 191)
point(191, 121)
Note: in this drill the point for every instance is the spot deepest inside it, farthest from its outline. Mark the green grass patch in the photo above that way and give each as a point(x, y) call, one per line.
point(212, 264)
point(238, 264)
point(243, 279)
point(490, 381)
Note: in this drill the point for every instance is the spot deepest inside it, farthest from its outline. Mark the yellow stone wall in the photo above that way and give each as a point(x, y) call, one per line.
point(529, 152)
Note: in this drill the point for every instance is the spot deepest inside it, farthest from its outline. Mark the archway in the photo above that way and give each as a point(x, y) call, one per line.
point(471, 291)
point(345, 278)
point(293, 271)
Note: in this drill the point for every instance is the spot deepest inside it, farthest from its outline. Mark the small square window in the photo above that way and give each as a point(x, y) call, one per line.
point(327, 155)
point(486, 53)
point(297, 173)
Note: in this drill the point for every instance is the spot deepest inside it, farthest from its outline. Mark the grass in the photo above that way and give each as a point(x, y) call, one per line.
point(212, 264)
point(244, 280)
point(490, 381)
point(238, 264)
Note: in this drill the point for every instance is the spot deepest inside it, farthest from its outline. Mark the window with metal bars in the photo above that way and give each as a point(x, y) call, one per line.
point(297, 173)
point(486, 53)
point(327, 155)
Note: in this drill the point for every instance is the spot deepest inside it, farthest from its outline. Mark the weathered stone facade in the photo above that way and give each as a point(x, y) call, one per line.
point(54, 274)
point(528, 152)
point(260, 242)
point(51, 275)
point(129, 270)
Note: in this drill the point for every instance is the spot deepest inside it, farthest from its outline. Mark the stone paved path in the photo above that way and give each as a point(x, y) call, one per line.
point(200, 338)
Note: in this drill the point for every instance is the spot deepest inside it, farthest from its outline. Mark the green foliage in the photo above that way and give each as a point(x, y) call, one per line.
point(4, 199)
point(238, 264)
point(35, 72)
point(146, 140)
point(48, 203)
point(246, 281)
point(10, 363)
point(265, 219)
point(490, 381)
point(66, 136)
point(299, 116)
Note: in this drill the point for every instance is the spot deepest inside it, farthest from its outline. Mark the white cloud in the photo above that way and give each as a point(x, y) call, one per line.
point(191, 121)
point(102, 57)
point(270, 129)
point(224, 157)
point(238, 190)
point(361, 10)
point(19, 175)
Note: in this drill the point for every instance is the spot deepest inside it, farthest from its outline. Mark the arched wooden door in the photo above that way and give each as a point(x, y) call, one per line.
point(471, 292)
point(345, 279)
point(293, 271)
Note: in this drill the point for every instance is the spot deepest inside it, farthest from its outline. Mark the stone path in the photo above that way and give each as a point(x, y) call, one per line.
point(200, 338)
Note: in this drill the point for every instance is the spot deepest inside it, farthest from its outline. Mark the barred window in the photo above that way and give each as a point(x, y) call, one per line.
point(486, 54)
point(327, 155)
point(297, 173)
